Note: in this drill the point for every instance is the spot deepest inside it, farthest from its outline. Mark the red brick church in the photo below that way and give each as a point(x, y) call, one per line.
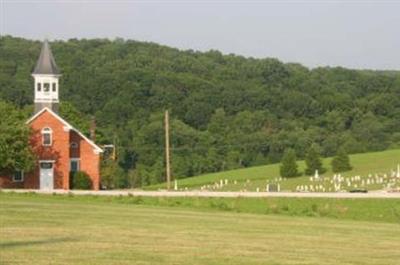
point(60, 149)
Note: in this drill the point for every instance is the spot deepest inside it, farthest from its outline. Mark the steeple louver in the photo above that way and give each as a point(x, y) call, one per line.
point(46, 65)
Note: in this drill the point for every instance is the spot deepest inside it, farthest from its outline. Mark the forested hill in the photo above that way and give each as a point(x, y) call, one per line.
point(227, 111)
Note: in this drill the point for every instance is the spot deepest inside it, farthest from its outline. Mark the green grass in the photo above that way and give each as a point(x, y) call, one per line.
point(251, 178)
point(39, 229)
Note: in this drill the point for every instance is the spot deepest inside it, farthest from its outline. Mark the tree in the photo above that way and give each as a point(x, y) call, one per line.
point(74, 117)
point(112, 176)
point(289, 167)
point(341, 162)
point(313, 162)
point(15, 151)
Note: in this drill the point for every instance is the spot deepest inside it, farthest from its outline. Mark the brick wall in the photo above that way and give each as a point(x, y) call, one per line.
point(89, 160)
point(58, 151)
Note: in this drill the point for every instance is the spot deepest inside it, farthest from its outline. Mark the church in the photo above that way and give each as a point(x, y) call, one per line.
point(60, 149)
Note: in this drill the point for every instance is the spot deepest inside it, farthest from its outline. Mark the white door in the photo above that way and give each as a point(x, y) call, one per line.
point(46, 176)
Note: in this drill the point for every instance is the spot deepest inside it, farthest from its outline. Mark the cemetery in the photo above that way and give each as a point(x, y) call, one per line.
point(336, 183)
point(372, 172)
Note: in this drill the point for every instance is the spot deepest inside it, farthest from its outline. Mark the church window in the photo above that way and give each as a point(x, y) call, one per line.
point(54, 87)
point(74, 165)
point(18, 176)
point(74, 145)
point(46, 87)
point(47, 137)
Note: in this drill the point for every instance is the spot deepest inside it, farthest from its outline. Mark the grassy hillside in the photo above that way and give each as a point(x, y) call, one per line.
point(71, 230)
point(258, 177)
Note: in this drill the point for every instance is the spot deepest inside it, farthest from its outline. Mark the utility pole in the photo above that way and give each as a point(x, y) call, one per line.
point(167, 154)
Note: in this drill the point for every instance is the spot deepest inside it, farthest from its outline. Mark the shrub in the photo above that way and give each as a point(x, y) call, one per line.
point(81, 181)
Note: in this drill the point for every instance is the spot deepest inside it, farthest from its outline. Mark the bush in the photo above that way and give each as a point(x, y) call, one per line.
point(81, 181)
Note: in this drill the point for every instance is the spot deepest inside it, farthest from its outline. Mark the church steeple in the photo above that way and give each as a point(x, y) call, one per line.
point(46, 75)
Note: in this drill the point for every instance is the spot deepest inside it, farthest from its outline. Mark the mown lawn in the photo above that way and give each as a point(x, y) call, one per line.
point(39, 229)
point(363, 165)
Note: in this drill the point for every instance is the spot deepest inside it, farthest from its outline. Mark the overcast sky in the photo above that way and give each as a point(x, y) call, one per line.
point(355, 34)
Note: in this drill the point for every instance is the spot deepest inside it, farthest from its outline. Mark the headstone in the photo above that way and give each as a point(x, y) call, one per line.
point(175, 184)
point(398, 170)
point(273, 187)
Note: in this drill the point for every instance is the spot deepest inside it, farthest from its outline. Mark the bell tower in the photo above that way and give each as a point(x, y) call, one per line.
point(46, 75)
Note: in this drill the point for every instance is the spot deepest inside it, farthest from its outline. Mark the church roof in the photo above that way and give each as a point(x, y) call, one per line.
point(67, 126)
point(46, 64)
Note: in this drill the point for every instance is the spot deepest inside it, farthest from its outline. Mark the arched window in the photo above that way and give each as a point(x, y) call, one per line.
point(74, 145)
point(47, 138)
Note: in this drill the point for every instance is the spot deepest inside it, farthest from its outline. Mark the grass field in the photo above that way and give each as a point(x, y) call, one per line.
point(40, 229)
point(256, 177)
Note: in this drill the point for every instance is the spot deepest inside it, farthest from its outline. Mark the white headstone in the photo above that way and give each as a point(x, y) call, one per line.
point(398, 170)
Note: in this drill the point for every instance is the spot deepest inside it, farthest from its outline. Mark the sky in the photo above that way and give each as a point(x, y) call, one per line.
point(352, 34)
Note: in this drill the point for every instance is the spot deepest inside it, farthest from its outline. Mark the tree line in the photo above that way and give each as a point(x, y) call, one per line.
point(227, 111)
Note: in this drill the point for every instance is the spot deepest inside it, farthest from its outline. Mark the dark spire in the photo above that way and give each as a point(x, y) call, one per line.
point(46, 63)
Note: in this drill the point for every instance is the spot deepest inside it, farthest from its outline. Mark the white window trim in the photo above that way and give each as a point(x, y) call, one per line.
point(49, 131)
point(75, 160)
point(47, 161)
point(22, 177)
